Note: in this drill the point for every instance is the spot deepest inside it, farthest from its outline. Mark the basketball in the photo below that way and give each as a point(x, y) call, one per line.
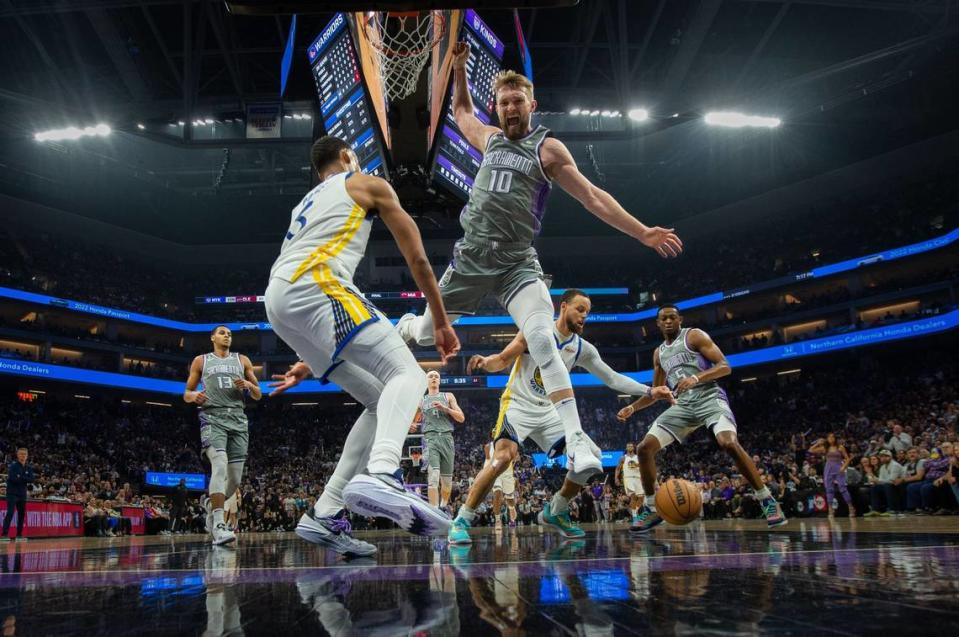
point(679, 502)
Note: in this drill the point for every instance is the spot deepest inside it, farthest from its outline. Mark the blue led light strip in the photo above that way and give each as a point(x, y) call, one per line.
point(826, 344)
point(630, 317)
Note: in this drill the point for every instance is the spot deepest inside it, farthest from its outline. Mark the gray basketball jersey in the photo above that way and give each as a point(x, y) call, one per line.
point(218, 377)
point(679, 362)
point(435, 420)
point(509, 194)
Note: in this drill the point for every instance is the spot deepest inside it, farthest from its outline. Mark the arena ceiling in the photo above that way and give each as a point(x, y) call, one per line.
point(850, 78)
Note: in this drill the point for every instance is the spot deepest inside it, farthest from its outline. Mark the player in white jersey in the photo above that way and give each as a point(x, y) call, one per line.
point(313, 306)
point(503, 488)
point(627, 475)
point(526, 412)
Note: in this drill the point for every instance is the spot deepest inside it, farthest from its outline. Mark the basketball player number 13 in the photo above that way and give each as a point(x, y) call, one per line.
point(500, 180)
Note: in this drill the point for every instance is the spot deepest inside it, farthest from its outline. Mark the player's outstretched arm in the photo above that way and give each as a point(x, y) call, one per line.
point(659, 384)
point(190, 394)
point(699, 341)
point(297, 373)
point(476, 132)
point(561, 168)
point(498, 362)
point(592, 362)
point(375, 193)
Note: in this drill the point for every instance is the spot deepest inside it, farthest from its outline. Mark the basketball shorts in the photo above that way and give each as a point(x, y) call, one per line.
point(478, 271)
point(506, 482)
point(633, 485)
point(676, 423)
point(320, 314)
point(225, 429)
point(519, 420)
point(440, 454)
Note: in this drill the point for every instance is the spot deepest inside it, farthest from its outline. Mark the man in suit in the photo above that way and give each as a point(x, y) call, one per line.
point(19, 475)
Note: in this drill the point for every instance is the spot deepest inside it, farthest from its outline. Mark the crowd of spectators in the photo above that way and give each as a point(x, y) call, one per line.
point(97, 451)
point(829, 231)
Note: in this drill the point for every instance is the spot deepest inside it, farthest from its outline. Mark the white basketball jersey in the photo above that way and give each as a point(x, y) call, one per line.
point(328, 234)
point(631, 466)
point(525, 383)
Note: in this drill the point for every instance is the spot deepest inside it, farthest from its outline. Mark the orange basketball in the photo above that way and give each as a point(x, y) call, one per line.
point(679, 501)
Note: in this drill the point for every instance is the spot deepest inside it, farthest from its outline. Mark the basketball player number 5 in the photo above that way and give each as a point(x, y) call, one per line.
point(500, 180)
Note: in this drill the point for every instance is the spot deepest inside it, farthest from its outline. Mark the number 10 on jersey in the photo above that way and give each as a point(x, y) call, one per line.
point(500, 180)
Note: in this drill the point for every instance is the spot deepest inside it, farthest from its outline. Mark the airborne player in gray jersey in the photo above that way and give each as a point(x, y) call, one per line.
point(227, 377)
point(500, 222)
point(689, 363)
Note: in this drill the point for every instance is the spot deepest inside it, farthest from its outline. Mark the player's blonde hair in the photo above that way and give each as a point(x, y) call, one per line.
point(513, 80)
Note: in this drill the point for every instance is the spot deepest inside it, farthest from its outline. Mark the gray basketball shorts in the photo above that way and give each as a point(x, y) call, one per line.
point(225, 429)
point(440, 455)
point(676, 423)
point(478, 271)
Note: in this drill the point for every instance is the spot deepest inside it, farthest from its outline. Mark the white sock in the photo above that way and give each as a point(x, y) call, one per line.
point(331, 500)
point(568, 413)
point(218, 517)
point(763, 494)
point(650, 501)
point(466, 513)
point(559, 504)
point(395, 411)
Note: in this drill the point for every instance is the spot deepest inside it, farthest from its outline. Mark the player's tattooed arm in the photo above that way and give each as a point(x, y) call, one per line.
point(249, 382)
point(699, 341)
point(498, 362)
point(561, 168)
point(190, 394)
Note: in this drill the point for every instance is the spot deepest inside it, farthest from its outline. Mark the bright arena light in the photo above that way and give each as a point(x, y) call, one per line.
point(638, 114)
point(575, 111)
point(72, 133)
point(739, 120)
point(140, 126)
point(594, 113)
point(606, 113)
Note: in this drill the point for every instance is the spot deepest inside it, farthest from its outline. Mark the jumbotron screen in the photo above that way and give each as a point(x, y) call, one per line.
point(455, 160)
point(345, 105)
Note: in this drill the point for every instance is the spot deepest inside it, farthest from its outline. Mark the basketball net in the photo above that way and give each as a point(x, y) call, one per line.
point(402, 43)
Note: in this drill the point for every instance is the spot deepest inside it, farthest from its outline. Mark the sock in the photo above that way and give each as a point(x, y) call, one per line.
point(650, 501)
point(466, 513)
point(512, 513)
point(395, 410)
point(559, 504)
point(218, 517)
point(763, 494)
point(331, 500)
point(568, 413)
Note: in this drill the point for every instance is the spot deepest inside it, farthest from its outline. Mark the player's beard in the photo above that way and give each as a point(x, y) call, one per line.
point(574, 328)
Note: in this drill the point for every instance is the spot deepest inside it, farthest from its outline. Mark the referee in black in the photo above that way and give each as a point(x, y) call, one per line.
point(19, 475)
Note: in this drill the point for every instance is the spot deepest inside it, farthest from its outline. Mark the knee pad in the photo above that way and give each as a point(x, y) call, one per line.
point(433, 478)
point(218, 466)
point(538, 330)
point(234, 475)
point(446, 482)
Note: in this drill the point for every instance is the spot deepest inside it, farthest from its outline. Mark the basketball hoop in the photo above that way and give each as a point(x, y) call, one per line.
point(402, 42)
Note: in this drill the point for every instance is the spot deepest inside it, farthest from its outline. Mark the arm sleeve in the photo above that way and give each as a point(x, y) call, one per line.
point(591, 361)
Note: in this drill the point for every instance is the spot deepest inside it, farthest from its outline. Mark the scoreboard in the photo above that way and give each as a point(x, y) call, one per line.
point(455, 160)
point(345, 106)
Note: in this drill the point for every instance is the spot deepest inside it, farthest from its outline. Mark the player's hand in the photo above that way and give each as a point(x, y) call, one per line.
point(414, 427)
point(293, 377)
point(476, 362)
point(461, 55)
point(438, 405)
point(242, 384)
point(447, 344)
point(686, 384)
point(625, 413)
point(199, 397)
point(663, 393)
point(662, 240)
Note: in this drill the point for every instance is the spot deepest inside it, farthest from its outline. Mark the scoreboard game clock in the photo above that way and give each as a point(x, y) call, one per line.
point(345, 103)
point(455, 161)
